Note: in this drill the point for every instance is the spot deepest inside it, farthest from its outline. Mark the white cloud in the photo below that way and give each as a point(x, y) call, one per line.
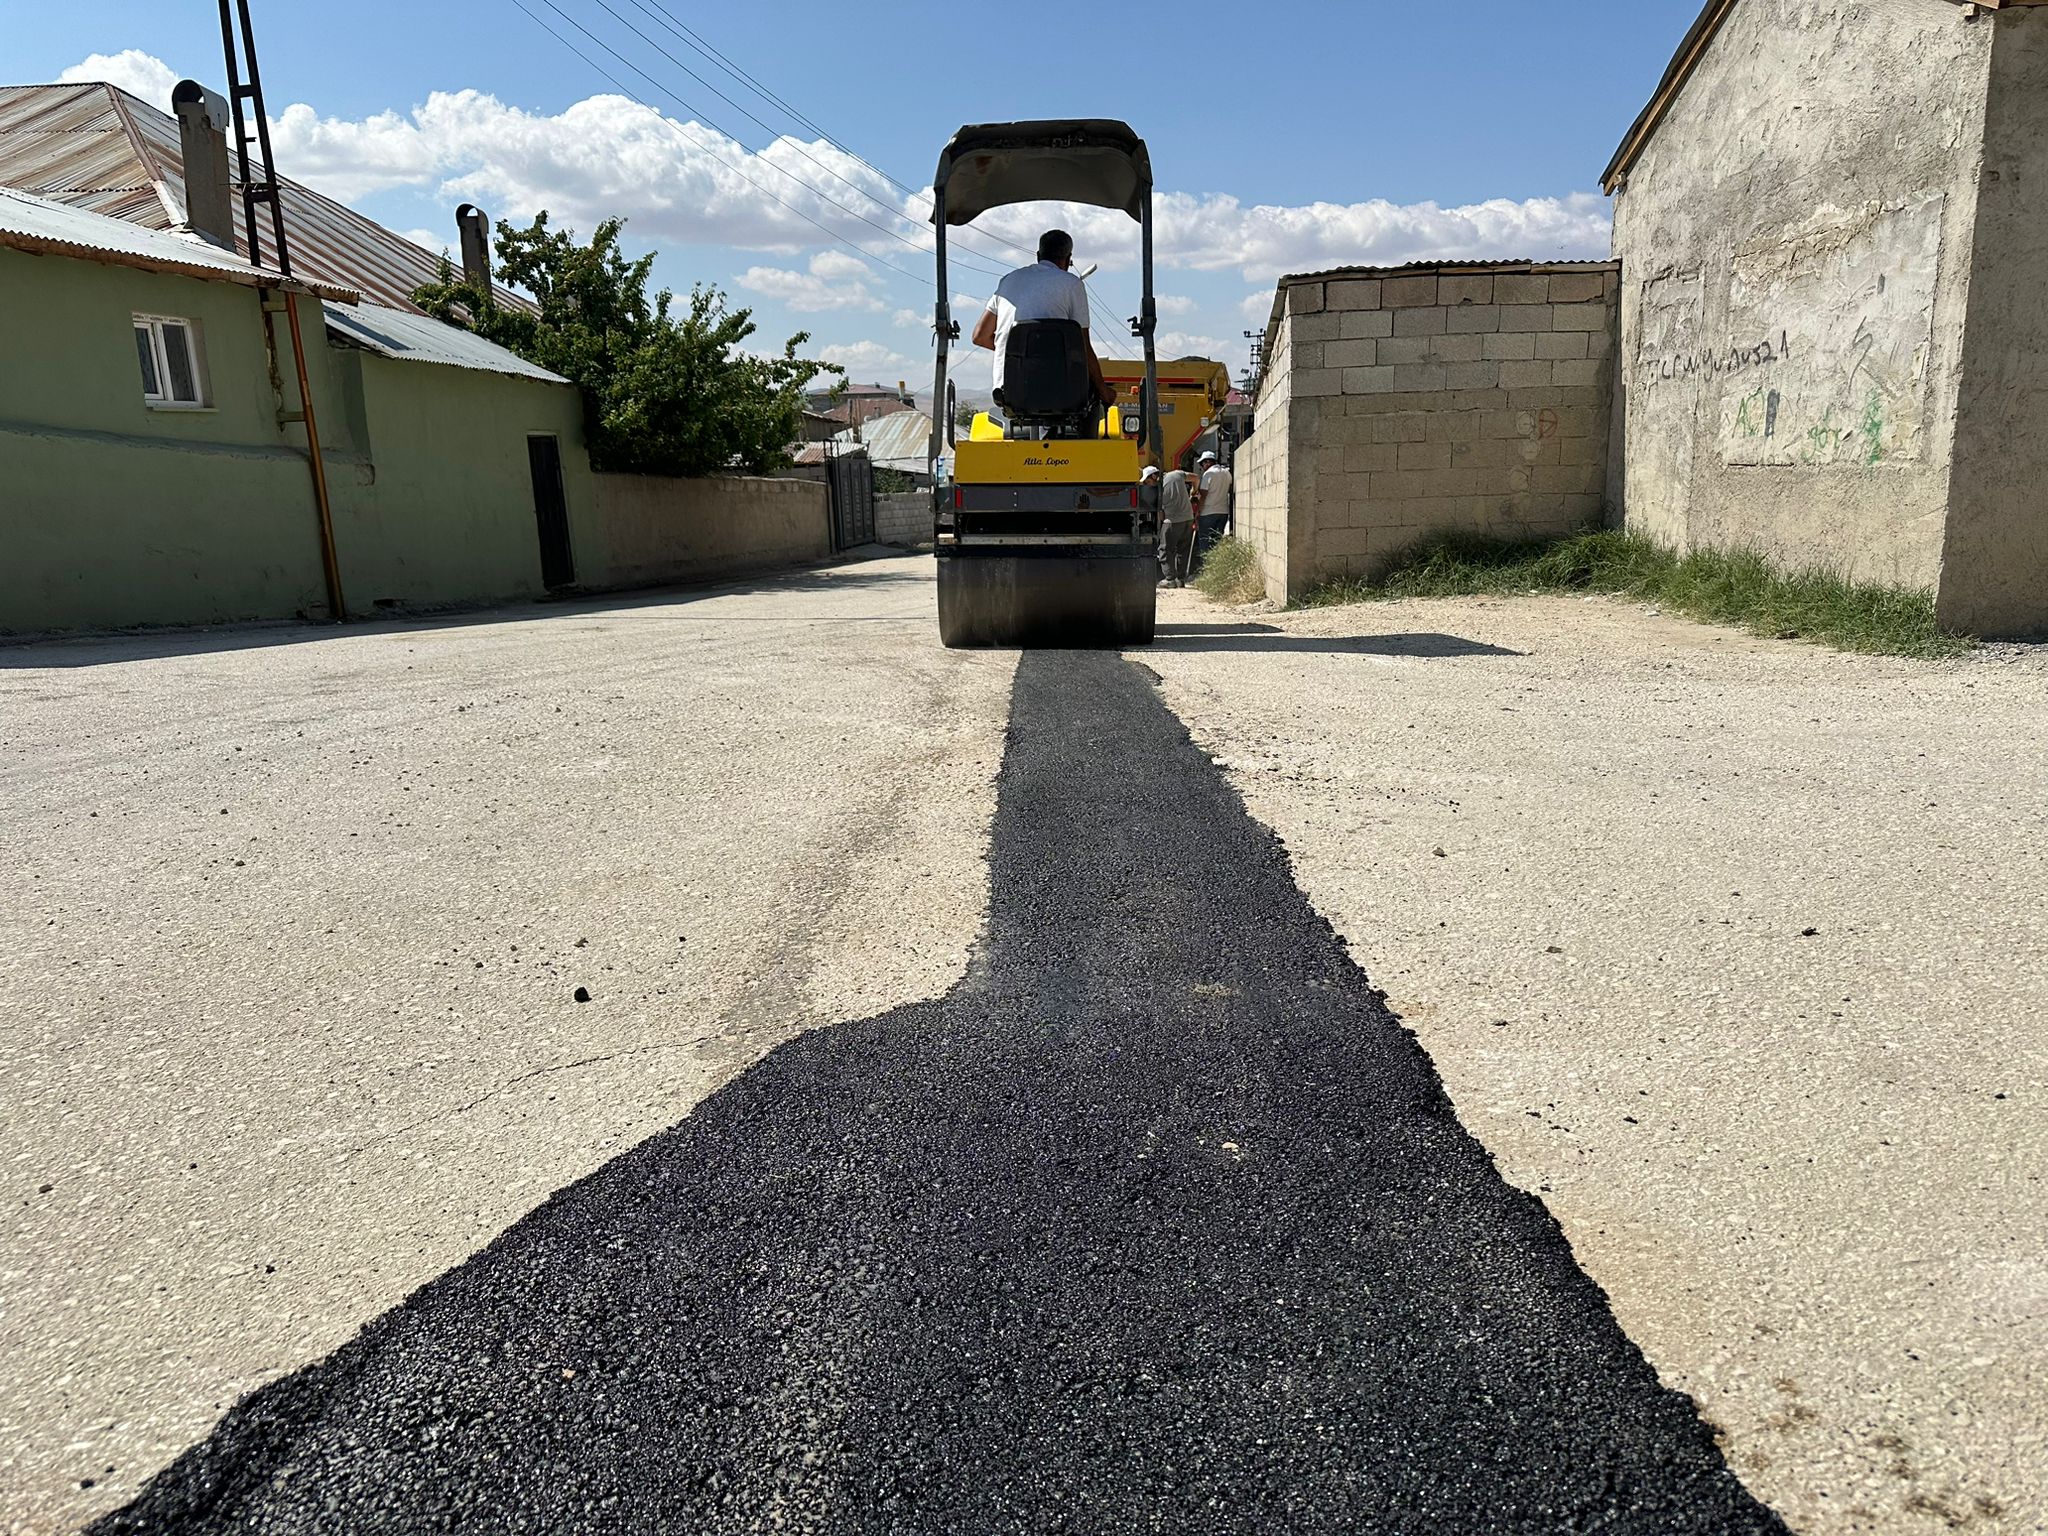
point(1173, 304)
point(1257, 307)
point(685, 183)
point(834, 281)
point(440, 245)
point(137, 73)
point(1184, 344)
point(1213, 233)
point(910, 319)
point(868, 360)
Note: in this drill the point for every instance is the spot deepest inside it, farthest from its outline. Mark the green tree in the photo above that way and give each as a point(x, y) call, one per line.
point(663, 393)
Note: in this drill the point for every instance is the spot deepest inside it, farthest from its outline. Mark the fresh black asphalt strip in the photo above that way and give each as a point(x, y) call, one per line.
point(1159, 1221)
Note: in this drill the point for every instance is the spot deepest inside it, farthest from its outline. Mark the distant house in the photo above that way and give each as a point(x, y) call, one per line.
point(857, 404)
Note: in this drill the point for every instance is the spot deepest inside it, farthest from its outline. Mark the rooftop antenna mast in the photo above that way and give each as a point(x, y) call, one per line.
point(234, 16)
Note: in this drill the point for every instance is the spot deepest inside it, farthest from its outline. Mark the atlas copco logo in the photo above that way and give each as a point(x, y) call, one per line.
point(1034, 462)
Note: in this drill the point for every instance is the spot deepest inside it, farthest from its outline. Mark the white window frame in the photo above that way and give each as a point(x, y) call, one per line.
point(161, 400)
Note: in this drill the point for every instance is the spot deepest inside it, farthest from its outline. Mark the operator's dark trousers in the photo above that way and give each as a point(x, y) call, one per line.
point(1174, 540)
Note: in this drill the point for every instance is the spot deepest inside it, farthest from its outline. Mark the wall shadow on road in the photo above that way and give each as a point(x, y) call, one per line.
point(112, 648)
point(1158, 1220)
point(1267, 637)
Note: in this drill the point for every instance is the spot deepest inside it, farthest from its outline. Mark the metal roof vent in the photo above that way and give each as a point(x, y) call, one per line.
point(203, 143)
point(474, 225)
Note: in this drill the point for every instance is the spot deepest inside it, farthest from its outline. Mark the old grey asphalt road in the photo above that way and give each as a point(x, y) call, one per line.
point(1156, 1220)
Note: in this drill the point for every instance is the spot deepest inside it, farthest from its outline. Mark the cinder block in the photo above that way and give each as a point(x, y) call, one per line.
point(1371, 381)
point(1310, 382)
point(1342, 542)
point(1352, 293)
point(1328, 460)
point(1365, 324)
point(1454, 349)
point(1310, 353)
point(1460, 426)
point(1525, 317)
point(1579, 317)
point(1425, 456)
point(1402, 349)
point(1521, 288)
point(1561, 344)
point(1578, 374)
point(1420, 322)
point(1472, 319)
point(1521, 375)
point(1555, 397)
point(1407, 427)
point(1577, 287)
point(1474, 375)
point(1408, 292)
point(1503, 424)
point(1581, 450)
point(1348, 354)
point(1349, 430)
point(1314, 328)
point(1371, 458)
point(1425, 376)
point(1599, 343)
point(1580, 421)
point(1581, 479)
point(1304, 298)
point(1464, 290)
point(1509, 347)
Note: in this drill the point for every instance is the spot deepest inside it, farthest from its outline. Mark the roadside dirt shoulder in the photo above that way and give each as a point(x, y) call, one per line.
point(1734, 951)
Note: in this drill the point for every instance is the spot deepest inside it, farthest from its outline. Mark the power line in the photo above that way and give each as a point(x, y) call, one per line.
point(682, 128)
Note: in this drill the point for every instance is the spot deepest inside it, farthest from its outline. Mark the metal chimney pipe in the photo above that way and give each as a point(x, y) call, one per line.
point(203, 144)
point(475, 228)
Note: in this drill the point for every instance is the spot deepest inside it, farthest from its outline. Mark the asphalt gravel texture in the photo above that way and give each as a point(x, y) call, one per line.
point(1157, 1221)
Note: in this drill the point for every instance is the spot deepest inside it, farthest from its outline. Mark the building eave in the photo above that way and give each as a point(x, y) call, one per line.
point(1697, 40)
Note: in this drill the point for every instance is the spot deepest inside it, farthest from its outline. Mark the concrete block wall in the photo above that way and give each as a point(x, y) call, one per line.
point(904, 518)
point(1406, 403)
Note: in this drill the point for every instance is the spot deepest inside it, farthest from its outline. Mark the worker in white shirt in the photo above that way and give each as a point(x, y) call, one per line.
point(1045, 290)
point(1212, 501)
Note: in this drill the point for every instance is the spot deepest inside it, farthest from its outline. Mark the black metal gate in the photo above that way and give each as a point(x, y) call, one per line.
point(851, 483)
point(551, 512)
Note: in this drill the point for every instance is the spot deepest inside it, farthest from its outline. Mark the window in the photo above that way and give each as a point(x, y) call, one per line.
point(168, 353)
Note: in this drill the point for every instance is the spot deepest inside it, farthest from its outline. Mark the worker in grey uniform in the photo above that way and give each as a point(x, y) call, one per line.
point(1176, 524)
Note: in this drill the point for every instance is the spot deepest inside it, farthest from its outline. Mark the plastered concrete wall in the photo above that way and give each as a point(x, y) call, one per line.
point(1994, 573)
point(644, 530)
point(1422, 403)
point(905, 518)
point(1796, 241)
point(441, 511)
point(112, 513)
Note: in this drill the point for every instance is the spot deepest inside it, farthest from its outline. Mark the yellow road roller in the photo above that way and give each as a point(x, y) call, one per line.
point(1045, 536)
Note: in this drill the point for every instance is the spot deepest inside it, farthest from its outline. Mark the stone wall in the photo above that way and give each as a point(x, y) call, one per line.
point(647, 530)
point(1401, 403)
point(904, 518)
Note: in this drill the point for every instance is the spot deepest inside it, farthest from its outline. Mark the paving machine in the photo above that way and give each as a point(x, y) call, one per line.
point(1044, 534)
point(1192, 392)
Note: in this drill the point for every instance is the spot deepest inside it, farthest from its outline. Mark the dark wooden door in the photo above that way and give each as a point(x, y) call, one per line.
point(551, 512)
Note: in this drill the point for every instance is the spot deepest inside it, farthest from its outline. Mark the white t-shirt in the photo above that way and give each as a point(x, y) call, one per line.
point(1215, 491)
point(1038, 292)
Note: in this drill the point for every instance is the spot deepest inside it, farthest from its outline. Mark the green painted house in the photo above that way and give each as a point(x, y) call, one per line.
point(154, 466)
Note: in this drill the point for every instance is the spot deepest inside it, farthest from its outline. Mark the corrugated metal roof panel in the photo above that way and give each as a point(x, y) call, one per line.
point(413, 337)
point(47, 226)
point(96, 146)
point(900, 440)
point(1415, 268)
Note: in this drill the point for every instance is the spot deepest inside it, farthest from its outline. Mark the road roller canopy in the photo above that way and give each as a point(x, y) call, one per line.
point(1093, 160)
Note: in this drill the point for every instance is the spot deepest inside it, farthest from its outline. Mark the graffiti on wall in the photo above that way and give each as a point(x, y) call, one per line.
point(1850, 305)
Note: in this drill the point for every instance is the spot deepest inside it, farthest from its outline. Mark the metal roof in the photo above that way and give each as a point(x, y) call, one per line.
point(43, 226)
point(1456, 268)
point(97, 147)
point(900, 440)
point(417, 338)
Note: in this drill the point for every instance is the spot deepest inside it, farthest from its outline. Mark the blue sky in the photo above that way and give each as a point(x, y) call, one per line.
point(1373, 131)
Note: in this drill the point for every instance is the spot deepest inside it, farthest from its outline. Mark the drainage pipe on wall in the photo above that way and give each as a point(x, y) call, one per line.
point(329, 564)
